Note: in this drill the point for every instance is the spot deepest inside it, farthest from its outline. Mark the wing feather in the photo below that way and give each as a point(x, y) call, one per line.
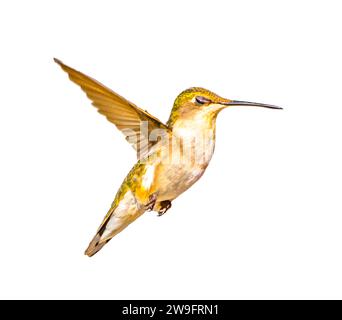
point(121, 112)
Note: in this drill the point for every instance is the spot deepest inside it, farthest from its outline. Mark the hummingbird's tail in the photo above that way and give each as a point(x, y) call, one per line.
point(124, 211)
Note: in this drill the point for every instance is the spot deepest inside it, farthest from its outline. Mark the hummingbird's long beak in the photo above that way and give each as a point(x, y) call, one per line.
point(250, 104)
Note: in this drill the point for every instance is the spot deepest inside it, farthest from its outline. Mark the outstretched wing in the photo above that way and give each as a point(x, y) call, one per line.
point(135, 123)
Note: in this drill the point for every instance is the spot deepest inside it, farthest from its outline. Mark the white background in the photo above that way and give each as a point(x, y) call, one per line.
point(263, 222)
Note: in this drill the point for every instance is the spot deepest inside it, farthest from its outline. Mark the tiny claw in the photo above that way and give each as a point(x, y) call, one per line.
point(151, 202)
point(164, 206)
point(161, 212)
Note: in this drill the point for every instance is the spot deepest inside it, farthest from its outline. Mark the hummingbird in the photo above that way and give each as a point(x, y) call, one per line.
point(171, 157)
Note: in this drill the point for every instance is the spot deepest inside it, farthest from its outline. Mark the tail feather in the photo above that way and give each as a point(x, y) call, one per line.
point(117, 219)
point(95, 245)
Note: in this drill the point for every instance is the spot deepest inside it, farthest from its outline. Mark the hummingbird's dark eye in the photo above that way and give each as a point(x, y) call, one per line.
point(202, 100)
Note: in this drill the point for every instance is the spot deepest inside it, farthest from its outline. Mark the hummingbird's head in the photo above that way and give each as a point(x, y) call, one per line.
point(199, 102)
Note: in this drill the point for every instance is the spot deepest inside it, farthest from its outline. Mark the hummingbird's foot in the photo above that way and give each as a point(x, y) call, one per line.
point(151, 202)
point(164, 206)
